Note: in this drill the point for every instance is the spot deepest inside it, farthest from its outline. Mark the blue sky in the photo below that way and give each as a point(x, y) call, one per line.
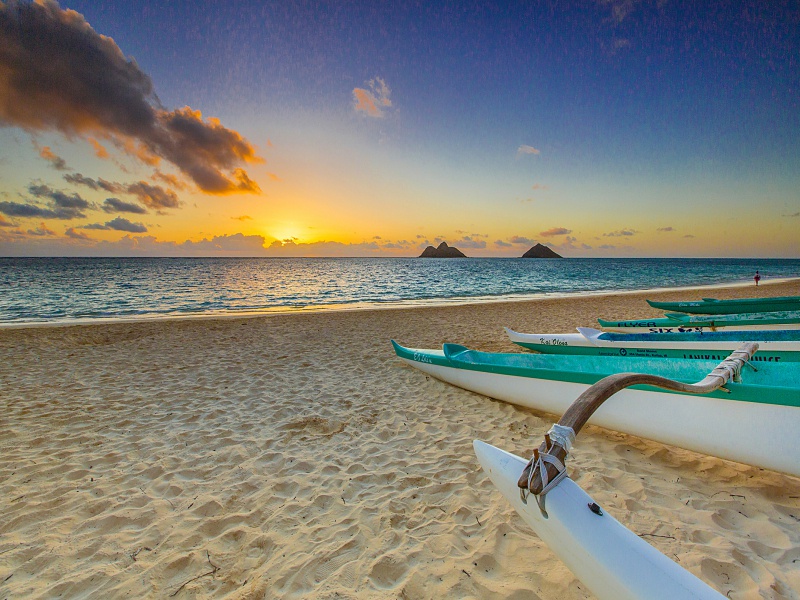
point(601, 128)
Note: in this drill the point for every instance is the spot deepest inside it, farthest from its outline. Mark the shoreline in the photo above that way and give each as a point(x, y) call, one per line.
point(298, 457)
point(377, 306)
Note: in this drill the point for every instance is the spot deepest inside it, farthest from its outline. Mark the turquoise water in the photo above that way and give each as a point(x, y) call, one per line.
point(40, 290)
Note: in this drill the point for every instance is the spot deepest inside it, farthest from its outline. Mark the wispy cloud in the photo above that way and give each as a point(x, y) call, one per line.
point(519, 239)
point(555, 231)
point(665, 229)
point(621, 233)
point(58, 163)
point(373, 101)
point(76, 235)
point(42, 230)
point(525, 149)
point(93, 90)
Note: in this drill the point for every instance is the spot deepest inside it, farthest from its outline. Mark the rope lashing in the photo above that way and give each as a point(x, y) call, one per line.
point(562, 436)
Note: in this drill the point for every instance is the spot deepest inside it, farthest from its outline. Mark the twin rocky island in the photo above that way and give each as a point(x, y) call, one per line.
point(445, 251)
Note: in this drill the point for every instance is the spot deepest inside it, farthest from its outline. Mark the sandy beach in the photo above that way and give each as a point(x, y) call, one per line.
point(295, 456)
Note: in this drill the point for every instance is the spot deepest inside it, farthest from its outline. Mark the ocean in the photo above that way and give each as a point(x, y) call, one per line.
point(67, 290)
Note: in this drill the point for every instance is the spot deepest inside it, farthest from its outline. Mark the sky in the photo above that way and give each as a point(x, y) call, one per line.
point(600, 128)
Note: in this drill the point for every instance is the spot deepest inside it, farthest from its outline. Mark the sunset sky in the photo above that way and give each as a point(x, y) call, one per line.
point(601, 128)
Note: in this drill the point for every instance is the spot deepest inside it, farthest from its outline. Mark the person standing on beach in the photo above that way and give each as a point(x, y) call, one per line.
point(757, 278)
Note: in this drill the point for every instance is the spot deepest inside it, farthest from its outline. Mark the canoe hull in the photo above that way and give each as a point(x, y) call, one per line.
point(758, 434)
point(612, 561)
point(668, 326)
point(593, 344)
point(711, 306)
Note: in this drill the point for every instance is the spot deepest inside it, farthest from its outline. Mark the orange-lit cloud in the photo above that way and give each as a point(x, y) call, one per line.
point(58, 163)
point(153, 196)
point(555, 231)
point(170, 180)
point(99, 150)
point(94, 90)
point(373, 101)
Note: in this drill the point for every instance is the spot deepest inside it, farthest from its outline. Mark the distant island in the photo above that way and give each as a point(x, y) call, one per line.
point(540, 251)
point(443, 251)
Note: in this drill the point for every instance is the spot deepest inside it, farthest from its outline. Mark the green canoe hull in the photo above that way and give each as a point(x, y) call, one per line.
point(711, 306)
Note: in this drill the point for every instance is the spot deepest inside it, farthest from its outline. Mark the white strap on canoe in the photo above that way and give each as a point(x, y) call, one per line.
point(563, 436)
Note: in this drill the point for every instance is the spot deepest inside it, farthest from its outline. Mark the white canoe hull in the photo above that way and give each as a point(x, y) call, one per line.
point(681, 327)
point(612, 561)
point(592, 338)
point(762, 435)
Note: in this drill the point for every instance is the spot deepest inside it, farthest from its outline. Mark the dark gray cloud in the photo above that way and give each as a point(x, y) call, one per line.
point(62, 206)
point(152, 196)
point(17, 209)
point(92, 89)
point(112, 205)
point(118, 224)
point(95, 184)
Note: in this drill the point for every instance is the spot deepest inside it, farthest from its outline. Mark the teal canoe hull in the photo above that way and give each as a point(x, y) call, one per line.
point(675, 353)
point(712, 306)
point(772, 383)
point(682, 323)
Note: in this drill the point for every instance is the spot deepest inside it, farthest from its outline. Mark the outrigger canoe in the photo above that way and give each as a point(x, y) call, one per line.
point(774, 345)
point(712, 306)
point(764, 408)
point(681, 323)
point(610, 559)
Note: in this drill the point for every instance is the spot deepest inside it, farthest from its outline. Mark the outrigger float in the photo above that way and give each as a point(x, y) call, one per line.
point(712, 306)
point(681, 323)
point(612, 561)
point(762, 404)
point(774, 345)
